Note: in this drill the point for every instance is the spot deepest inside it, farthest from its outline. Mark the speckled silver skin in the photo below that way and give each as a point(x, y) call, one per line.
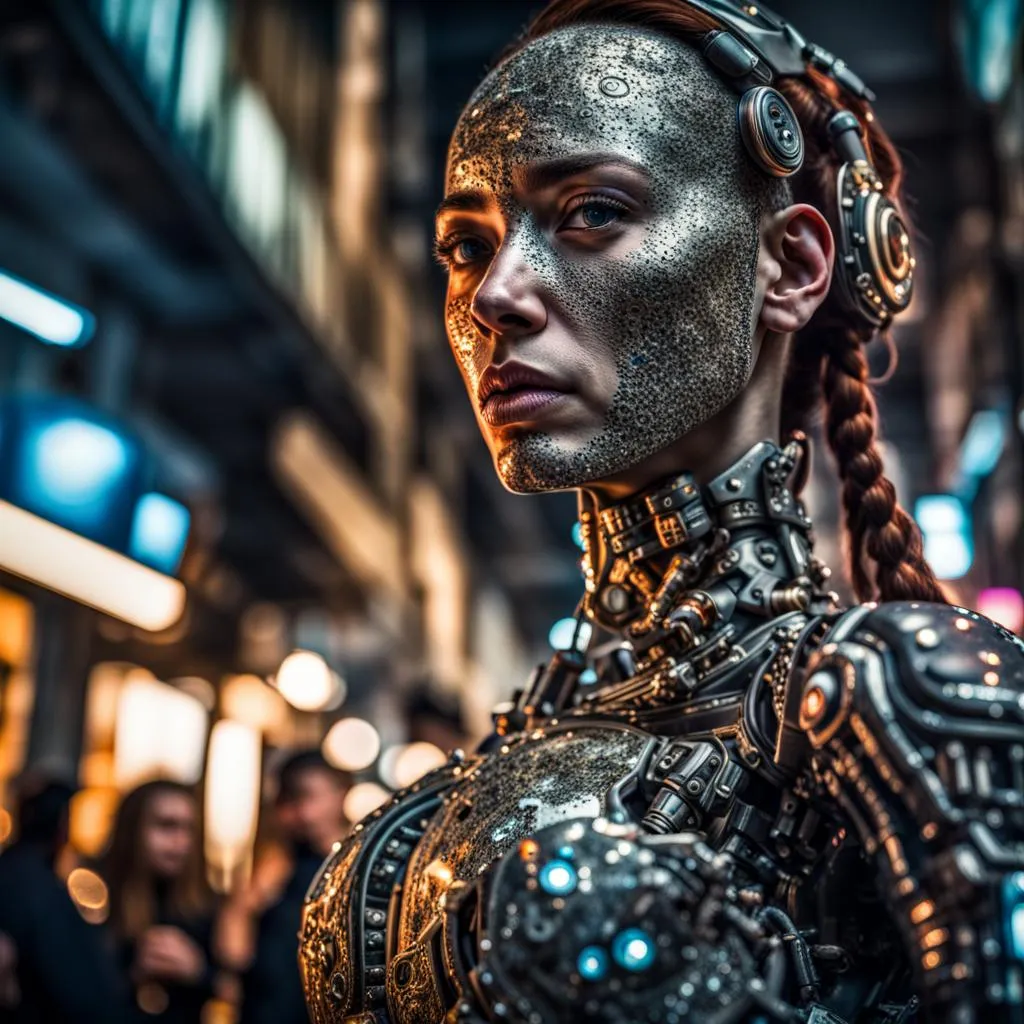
point(510, 795)
point(654, 319)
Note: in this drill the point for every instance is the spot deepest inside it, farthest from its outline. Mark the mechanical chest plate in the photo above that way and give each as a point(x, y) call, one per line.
point(535, 780)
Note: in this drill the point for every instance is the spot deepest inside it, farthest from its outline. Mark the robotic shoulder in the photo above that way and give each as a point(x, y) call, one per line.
point(937, 668)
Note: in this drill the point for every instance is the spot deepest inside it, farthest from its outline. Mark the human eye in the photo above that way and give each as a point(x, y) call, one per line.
point(459, 250)
point(593, 212)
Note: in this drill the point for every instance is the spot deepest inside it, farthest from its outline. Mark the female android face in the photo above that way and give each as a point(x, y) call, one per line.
point(601, 229)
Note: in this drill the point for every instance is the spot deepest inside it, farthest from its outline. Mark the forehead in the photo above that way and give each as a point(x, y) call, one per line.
point(170, 805)
point(613, 89)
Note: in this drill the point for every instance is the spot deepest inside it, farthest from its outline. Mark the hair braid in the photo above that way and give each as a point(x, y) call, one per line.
point(827, 366)
point(878, 526)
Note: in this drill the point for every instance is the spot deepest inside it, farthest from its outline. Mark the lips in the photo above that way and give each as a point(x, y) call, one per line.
point(515, 393)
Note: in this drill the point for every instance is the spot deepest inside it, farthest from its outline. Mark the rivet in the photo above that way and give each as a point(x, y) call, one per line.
point(734, 484)
point(926, 638)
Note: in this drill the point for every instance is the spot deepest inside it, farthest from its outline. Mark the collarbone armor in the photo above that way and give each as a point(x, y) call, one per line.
point(766, 807)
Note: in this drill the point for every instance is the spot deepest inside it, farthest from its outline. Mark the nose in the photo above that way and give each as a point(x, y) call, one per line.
point(508, 302)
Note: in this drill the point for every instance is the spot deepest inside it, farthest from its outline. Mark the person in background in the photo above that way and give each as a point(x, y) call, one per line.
point(161, 907)
point(258, 930)
point(57, 967)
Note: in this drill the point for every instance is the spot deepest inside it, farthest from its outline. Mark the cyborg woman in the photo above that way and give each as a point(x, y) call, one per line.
point(670, 229)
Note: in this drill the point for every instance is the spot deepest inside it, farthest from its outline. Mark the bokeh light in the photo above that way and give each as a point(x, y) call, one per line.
point(351, 744)
point(363, 799)
point(306, 681)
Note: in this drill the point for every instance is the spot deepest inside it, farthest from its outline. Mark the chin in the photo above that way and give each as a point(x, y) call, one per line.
point(533, 462)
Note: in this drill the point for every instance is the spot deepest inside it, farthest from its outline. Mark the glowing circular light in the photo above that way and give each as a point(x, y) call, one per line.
point(562, 632)
point(249, 700)
point(577, 535)
point(558, 878)
point(351, 744)
point(592, 963)
point(588, 677)
point(633, 949)
point(306, 681)
point(78, 461)
point(413, 761)
point(89, 894)
point(363, 799)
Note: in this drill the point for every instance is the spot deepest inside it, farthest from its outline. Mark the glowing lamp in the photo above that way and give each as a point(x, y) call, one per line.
point(160, 733)
point(47, 554)
point(51, 319)
point(306, 681)
point(249, 700)
point(351, 744)
point(232, 800)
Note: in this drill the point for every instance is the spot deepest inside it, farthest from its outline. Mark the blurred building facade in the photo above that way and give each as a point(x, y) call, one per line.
point(240, 195)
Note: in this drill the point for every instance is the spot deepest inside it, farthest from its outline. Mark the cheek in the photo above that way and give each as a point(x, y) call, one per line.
point(462, 335)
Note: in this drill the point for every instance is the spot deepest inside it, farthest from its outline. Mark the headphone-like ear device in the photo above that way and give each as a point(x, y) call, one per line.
point(768, 126)
point(875, 268)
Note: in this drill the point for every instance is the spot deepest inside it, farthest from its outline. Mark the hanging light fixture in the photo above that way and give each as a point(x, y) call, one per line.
point(232, 801)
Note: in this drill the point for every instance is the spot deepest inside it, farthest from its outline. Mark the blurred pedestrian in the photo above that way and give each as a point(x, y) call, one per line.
point(261, 926)
point(161, 907)
point(57, 968)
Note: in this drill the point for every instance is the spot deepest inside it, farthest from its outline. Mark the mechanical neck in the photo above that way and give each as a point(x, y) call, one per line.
point(680, 560)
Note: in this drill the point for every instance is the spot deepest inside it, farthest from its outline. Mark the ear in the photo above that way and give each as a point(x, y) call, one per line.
point(798, 253)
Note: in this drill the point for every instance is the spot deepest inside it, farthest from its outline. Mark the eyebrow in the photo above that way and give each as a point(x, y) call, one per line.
point(470, 201)
point(551, 172)
point(539, 176)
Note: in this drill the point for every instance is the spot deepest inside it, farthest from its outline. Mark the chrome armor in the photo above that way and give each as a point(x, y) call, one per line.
point(768, 808)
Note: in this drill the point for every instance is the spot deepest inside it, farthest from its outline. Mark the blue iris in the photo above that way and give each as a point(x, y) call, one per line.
point(633, 949)
point(558, 878)
point(592, 963)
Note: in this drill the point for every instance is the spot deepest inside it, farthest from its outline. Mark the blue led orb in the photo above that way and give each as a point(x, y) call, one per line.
point(633, 949)
point(567, 852)
point(592, 963)
point(558, 878)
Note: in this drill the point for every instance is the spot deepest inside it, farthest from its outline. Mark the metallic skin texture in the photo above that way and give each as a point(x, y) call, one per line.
point(673, 311)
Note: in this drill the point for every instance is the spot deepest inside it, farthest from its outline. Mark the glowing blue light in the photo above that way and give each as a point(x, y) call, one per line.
point(562, 632)
point(47, 317)
point(577, 535)
point(588, 677)
point(75, 461)
point(983, 443)
point(633, 949)
point(558, 878)
point(592, 963)
point(948, 534)
point(566, 852)
point(1014, 897)
point(74, 473)
point(159, 532)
